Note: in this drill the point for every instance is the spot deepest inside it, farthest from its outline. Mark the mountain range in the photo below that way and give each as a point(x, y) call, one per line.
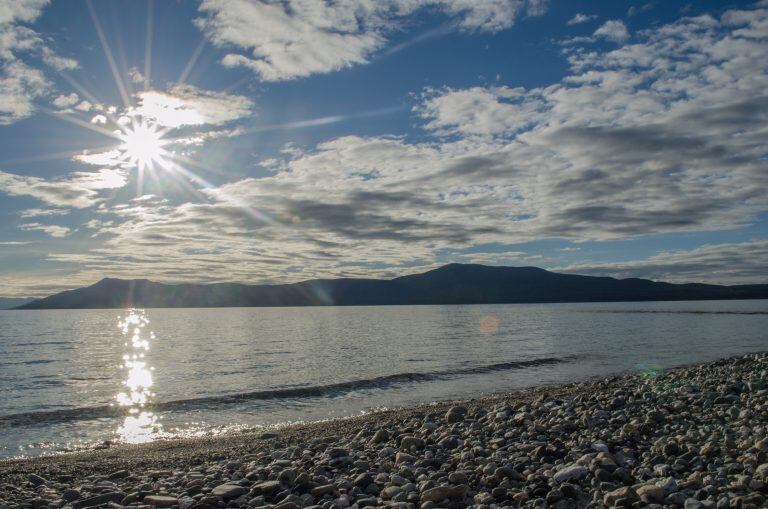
point(451, 284)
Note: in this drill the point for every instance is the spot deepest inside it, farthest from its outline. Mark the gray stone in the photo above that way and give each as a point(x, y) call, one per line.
point(160, 500)
point(570, 473)
point(227, 491)
point(455, 414)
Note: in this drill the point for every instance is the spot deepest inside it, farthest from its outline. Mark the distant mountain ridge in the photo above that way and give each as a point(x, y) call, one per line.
point(450, 284)
point(12, 302)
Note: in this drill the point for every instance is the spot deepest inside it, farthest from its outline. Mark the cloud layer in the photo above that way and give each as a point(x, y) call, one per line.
point(297, 38)
point(664, 135)
point(740, 263)
point(77, 190)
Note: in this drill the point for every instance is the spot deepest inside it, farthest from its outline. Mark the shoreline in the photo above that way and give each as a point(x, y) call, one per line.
point(535, 433)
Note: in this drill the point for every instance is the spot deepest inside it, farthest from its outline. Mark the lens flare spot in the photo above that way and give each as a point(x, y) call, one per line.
point(489, 325)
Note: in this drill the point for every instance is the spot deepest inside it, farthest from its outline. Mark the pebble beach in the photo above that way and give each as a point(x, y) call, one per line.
point(692, 437)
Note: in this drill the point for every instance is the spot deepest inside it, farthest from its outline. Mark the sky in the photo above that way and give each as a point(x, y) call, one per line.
point(271, 141)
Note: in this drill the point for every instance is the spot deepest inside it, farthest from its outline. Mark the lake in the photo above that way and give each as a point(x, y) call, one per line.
point(77, 378)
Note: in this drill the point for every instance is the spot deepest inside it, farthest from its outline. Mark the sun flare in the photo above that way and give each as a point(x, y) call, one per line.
point(143, 145)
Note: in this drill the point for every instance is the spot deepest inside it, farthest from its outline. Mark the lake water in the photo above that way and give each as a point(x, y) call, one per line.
point(73, 379)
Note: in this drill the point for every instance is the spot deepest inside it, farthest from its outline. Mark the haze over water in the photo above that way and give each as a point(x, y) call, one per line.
point(77, 378)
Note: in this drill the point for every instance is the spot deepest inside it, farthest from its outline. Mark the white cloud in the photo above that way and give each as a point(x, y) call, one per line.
point(579, 18)
point(634, 10)
point(66, 101)
point(78, 190)
point(185, 105)
point(95, 224)
point(84, 106)
point(57, 62)
point(135, 75)
point(614, 30)
point(297, 38)
point(42, 212)
point(480, 111)
point(107, 158)
point(99, 180)
point(12, 11)
point(50, 229)
point(20, 83)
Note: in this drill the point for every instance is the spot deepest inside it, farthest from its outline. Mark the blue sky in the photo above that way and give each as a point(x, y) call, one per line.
point(262, 141)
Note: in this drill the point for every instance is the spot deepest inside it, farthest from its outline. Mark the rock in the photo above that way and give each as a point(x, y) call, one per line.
point(440, 493)
point(381, 435)
point(186, 502)
point(227, 491)
point(570, 473)
point(410, 442)
point(336, 452)
point(70, 495)
point(455, 414)
point(651, 493)
point(484, 498)
point(265, 488)
point(322, 490)
point(104, 498)
point(670, 449)
point(569, 490)
point(387, 452)
point(287, 476)
point(692, 503)
point(390, 492)
point(363, 480)
point(450, 442)
point(402, 457)
point(668, 485)
point(762, 470)
point(160, 500)
point(36, 479)
point(709, 450)
point(752, 500)
point(677, 498)
point(610, 499)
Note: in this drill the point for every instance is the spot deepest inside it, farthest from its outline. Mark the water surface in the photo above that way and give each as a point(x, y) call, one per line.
point(77, 378)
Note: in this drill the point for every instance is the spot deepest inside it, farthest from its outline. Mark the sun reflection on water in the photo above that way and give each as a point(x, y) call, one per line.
point(139, 425)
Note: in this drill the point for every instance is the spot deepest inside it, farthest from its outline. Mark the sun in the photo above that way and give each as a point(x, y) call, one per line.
point(143, 145)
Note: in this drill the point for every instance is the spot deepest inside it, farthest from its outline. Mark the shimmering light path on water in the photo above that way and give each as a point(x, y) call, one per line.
point(77, 378)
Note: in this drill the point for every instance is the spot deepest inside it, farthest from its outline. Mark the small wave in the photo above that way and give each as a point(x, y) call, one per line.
point(42, 343)
point(27, 363)
point(295, 393)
